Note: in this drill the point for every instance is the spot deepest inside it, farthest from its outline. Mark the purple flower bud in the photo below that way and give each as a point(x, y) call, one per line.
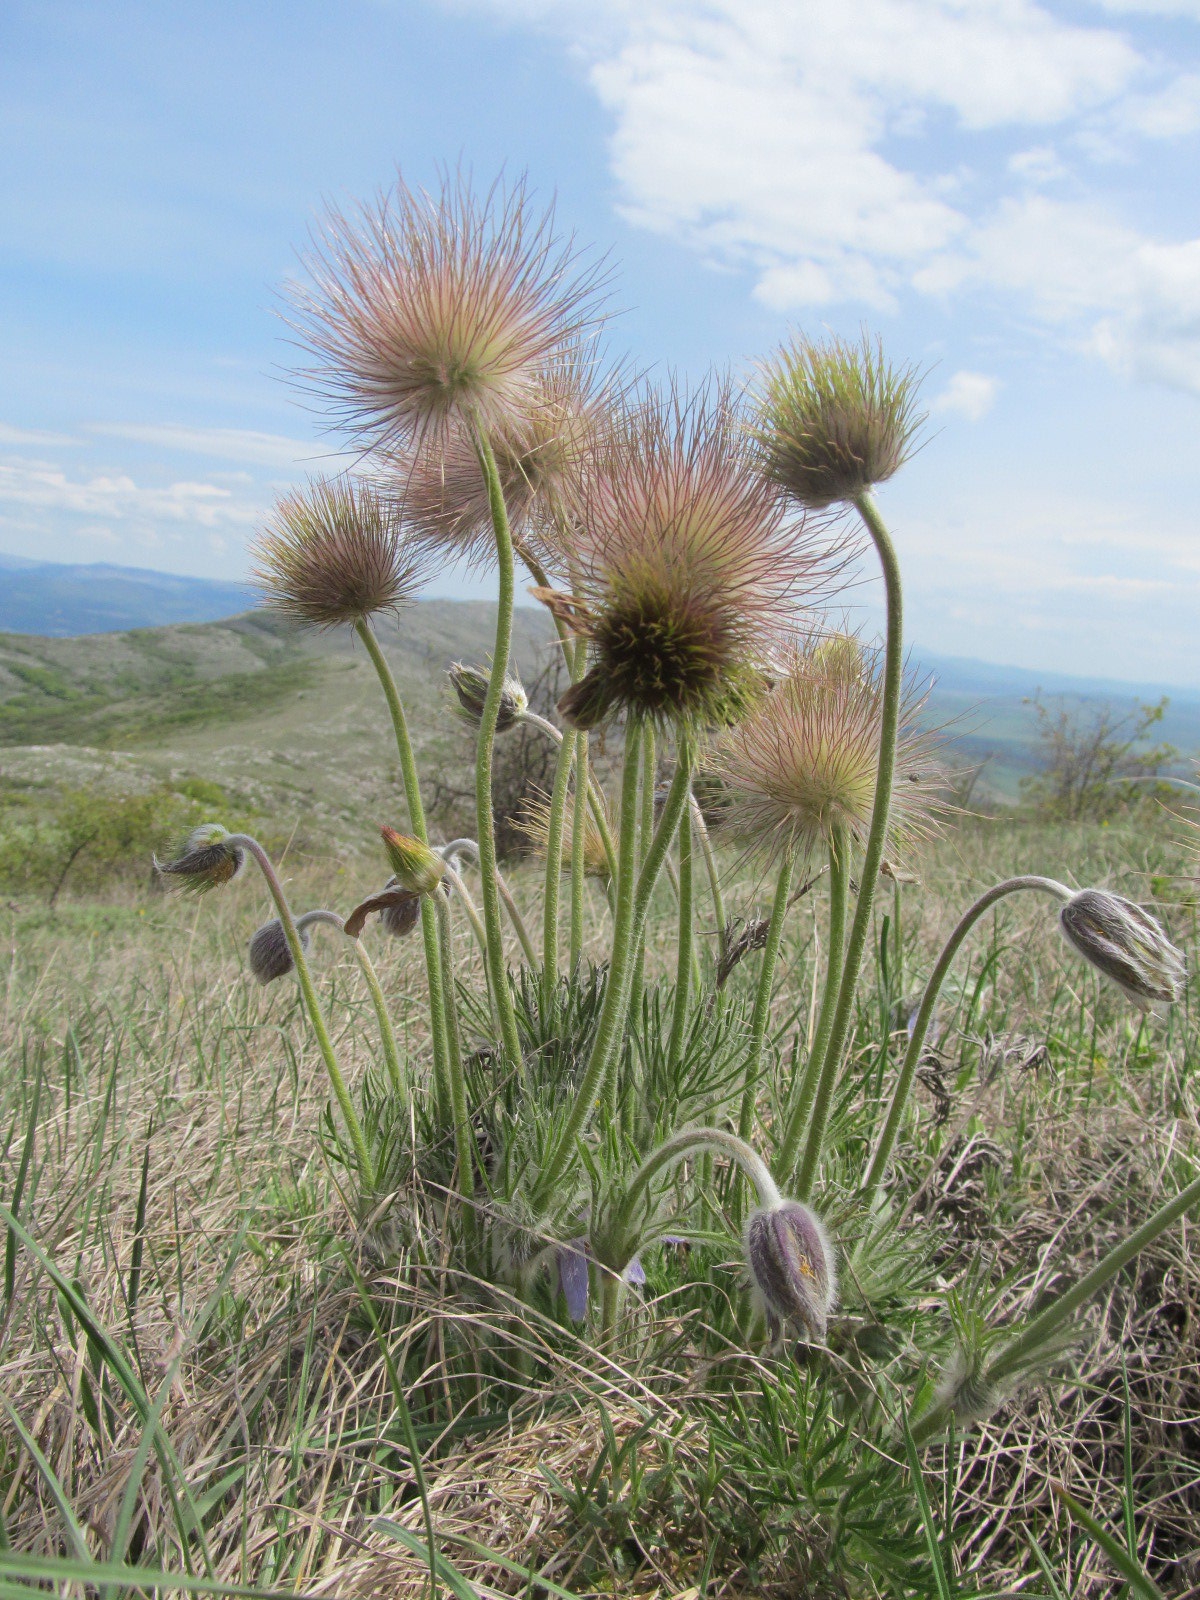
point(204, 861)
point(270, 953)
point(572, 1265)
point(1128, 946)
point(792, 1267)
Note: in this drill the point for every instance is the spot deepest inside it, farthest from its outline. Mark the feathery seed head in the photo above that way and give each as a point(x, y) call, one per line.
point(1127, 945)
point(203, 861)
point(430, 310)
point(334, 552)
point(534, 823)
point(270, 953)
point(801, 768)
point(418, 869)
point(690, 564)
point(792, 1267)
point(471, 687)
point(538, 455)
point(834, 419)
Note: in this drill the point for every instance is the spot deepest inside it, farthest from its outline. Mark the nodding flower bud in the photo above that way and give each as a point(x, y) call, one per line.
point(270, 953)
point(471, 687)
point(401, 915)
point(1127, 945)
point(792, 1267)
point(205, 861)
point(418, 869)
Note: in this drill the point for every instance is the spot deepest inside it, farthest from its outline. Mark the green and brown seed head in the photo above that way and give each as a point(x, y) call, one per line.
point(832, 419)
point(334, 552)
point(691, 567)
point(801, 768)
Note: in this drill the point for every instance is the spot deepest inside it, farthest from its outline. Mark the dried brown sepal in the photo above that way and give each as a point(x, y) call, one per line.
point(394, 899)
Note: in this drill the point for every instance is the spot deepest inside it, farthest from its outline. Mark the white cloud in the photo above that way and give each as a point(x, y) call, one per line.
point(228, 444)
point(834, 153)
point(970, 394)
point(32, 436)
point(116, 497)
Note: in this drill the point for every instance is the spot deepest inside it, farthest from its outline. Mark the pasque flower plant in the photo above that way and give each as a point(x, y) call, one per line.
point(671, 534)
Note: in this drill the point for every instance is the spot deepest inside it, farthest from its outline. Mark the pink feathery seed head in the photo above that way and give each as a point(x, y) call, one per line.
point(833, 418)
point(430, 310)
point(441, 488)
point(801, 768)
point(334, 552)
point(690, 565)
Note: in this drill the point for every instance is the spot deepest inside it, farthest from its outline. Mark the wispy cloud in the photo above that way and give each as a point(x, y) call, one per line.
point(970, 394)
point(32, 437)
point(856, 154)
point(226, 444)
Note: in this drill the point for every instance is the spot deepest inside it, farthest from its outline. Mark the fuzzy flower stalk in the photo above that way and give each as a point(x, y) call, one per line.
point(832, 421)
point(337, 553)
point(1120, 940)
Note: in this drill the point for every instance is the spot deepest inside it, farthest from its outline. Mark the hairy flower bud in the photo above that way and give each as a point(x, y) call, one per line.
point(834, 419)
point(1127, 945)
point(471, 687)
point(792, 1267)
point(418, 869)
point(270, 953)
point(204, 861)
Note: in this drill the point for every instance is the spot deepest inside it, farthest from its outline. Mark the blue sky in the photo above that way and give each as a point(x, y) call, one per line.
point(1006, 191)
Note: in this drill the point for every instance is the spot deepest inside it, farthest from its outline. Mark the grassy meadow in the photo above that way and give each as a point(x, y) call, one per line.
point(212, 1364)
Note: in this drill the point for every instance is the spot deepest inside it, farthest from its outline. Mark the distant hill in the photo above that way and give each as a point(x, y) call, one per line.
point(60, 602)
point(88, 664)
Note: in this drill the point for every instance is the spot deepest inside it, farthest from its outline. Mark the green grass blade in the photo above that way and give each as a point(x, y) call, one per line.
point(10, 1242)
point(108, 1575)
point(945, 1588)
point(439, 1567)
point(1130, 1568)
point(57, 1493)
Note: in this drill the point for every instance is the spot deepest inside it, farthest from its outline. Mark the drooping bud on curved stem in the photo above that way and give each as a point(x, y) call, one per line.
point(271, 958)
point(417, 867)
point(471, 686)
point(1126, 945)
point(469, 847)
point(916, 1043)
point(239, 845)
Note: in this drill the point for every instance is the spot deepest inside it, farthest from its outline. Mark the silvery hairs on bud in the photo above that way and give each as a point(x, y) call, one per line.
point(203, 861)
point(471, 687)
point(270, 954)
point(1126, 944)
point(792, 1268)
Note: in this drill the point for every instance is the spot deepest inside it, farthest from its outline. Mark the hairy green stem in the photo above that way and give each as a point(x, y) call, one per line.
point(1038, 1334)
point(669, 1154)
point(555, 830)
point(578, 847)
point(464, 1140)
point(762, 999)
point(244, 841)
point(438, 1000)
point(839, 898)
point(683, 955)
point(700, 831)
point(391, 1051)
point(611, 1015)
point(645, 838)
point(485, 823)
point(916, 1043)
point(860, 928)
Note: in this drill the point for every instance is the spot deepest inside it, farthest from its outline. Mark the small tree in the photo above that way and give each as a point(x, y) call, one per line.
point(1095, 764)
